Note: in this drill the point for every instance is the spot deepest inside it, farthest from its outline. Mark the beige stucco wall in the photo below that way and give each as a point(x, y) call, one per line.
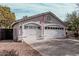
point(39, 34)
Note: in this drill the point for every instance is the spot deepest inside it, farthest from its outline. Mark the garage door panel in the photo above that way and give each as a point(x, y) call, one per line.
point(54, 33)
point(32, 34)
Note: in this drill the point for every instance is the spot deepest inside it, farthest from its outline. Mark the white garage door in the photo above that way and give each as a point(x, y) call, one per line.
point(54, 32)
point(31, 31)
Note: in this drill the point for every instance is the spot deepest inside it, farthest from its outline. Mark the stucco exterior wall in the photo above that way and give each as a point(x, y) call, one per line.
point(36, 35)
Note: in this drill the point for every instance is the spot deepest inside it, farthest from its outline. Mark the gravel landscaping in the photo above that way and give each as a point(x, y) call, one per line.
point(17, 49)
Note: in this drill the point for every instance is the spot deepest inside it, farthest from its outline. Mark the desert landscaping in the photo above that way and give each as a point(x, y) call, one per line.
point(11, 48)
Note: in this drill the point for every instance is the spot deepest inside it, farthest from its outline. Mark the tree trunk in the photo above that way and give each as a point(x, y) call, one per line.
point(76, 34)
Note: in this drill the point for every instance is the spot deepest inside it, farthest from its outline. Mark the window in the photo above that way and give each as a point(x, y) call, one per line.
point(48, 27)
point(34, 27)
point(30, 27)
point(51, 27)
point(61, 28)
point(39, 27)
point(54, 28)
point(25, 27)
point(45, 27)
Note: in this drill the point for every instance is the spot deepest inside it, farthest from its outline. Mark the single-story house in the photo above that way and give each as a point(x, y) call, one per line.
point(39, 27)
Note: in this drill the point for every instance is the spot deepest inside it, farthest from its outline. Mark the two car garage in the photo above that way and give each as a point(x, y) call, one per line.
point(39, 27)
point(33, 32)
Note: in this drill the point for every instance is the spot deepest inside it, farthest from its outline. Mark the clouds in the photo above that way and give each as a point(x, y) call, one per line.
point(30, 9)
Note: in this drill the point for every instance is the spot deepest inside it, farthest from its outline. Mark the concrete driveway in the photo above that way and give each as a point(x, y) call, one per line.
point(57, 47)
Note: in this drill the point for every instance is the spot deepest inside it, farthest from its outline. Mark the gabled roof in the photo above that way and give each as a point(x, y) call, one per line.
point(35, 16)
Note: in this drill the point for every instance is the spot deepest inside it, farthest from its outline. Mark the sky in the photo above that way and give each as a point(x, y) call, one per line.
point(29, 9)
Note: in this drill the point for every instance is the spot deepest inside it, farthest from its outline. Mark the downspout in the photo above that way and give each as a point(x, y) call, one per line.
point(42, 27)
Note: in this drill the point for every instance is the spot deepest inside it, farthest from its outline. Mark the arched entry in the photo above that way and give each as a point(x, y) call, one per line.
point(32, 31)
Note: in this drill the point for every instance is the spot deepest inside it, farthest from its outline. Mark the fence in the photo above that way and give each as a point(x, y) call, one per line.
point(6, 34)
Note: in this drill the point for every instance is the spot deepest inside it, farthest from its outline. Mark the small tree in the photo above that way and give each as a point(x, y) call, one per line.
point(73, 22)
point(7, 17)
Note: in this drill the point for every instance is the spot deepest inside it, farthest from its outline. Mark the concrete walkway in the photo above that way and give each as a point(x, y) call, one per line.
point(57, 47)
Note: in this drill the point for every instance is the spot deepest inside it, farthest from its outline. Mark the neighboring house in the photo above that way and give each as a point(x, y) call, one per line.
point(39, 27)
